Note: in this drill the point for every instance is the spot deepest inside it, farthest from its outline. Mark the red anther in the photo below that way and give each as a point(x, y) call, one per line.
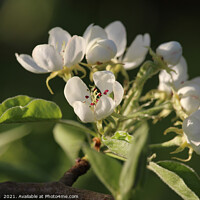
point(86, 97)
point(95, 89)
point(97, 100)
point(92, 104)
point(99, 94)
point(105, 92)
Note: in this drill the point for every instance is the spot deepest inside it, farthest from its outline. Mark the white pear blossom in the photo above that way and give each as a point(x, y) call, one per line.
point(99, 48)
point(110, 43)
point(96, 104)
point(137, 51)
point(171, 52)
point(191, 129)
point(61, 50)
point(189, 96)
point(176, 79)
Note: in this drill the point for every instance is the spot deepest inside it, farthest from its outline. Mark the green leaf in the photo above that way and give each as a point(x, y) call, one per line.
point(77, 126)
point(188, 175)
point(178, 177)
point(26, 109)
point(131, 166)
point(122, 135)
point(13, 134)
point(106, 168)
point(70, 139)
point(119, 143)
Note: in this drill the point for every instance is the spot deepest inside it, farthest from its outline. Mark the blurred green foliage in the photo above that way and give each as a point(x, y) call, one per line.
point(24, 24)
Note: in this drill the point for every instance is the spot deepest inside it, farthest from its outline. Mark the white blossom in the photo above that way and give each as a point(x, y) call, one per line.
point(176, 79)
point(113, 44)
point(96, 104)
point(99, 48)
point(135, 53)
point(171, 52)
point(189, 95)
point(61, 50)
point(191, 129)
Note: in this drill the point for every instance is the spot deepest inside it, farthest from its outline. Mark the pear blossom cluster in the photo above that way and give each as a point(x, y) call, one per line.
point(188, 90)
point(98, 45)
point(65, 53)
point(101, 50)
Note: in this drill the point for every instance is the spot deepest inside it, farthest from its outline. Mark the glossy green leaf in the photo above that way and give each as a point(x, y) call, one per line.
point(70, 139)
point(178, 177)
point(130, 168)
point(106, 168)
point(26, 109)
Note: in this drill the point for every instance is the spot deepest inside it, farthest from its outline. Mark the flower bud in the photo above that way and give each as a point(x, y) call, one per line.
point(101, 50)
point(189, 96)
point(170, 51)
point(191, 129)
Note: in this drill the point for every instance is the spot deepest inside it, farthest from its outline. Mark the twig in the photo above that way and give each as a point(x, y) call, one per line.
point(54, 190)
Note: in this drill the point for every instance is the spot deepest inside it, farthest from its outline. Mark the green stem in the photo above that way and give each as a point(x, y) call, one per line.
point(148, 112)
point(144, 114)
point(147, 70)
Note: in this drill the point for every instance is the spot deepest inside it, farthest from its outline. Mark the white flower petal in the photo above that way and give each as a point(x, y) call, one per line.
point(117, 33)
point(101, 51)
point(104, 108)
point(83, 111)
point(190, 104)
point(136, 53)
point(118, 93)
point(177, 78)
point(58, 37)
point(191, 128)
point(164, 87)
point(47, 57)
point(93, 32)
point(104, 80)
point(74, 51)
point(170, 51)
point(196, 80)
point(29, 64)
point(76, 90)
point(189, 89)
point(189, 96)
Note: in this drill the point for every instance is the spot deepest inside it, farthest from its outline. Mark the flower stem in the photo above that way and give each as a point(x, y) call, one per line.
point(147, 70)
point(144, 114)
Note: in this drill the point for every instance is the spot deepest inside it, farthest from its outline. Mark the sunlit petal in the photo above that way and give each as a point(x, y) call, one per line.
point(104, 80)
point(117, 33)
point(74, 51)
point(29, 64)
point(58, 37)
point(76, 90)
point(47, 57)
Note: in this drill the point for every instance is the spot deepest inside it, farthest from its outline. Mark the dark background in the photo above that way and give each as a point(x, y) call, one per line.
point(25, 24)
